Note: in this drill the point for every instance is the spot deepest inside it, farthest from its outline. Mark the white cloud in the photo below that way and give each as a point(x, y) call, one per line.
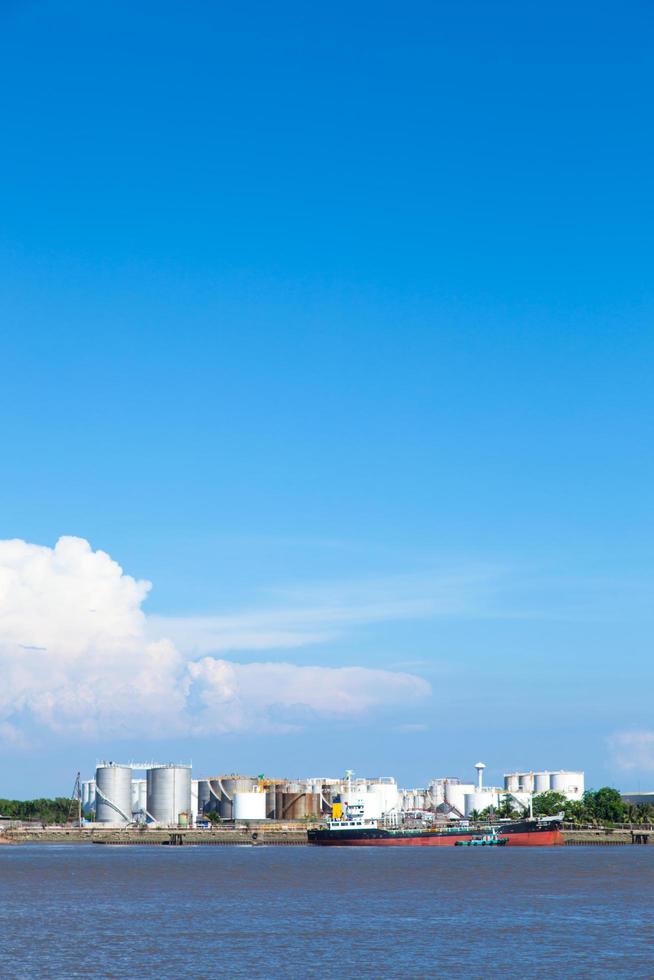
point(78, 653)
point(633, 749)
point(302, 617)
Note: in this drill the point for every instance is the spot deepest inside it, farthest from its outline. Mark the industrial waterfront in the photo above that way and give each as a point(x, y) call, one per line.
point(166, 795)
point(140, 804)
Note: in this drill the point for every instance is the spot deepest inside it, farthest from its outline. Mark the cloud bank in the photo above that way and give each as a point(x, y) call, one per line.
point(78, 654)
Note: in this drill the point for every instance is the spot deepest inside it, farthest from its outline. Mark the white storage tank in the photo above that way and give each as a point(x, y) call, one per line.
point(224, 788)
point(541, 782)
point(455, 794)
point(436, 792)
point(169, 793)
point(88, 796)
point(480, 800)
point(570, 783)
point(113, 793)
point(194, 799)
point(386, 791)
point(249, 805)
point(138, 795)
point(512, 782)
point(526, 782)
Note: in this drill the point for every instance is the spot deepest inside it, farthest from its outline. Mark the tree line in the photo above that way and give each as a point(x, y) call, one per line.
point(44, 810)
point(596, 807)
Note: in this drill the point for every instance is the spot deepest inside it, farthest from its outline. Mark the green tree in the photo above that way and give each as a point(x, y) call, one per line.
point(508, 809)
point(578, 812)
point(644, 813)
point(44, 810)
point(549, 803)
point(608, 805)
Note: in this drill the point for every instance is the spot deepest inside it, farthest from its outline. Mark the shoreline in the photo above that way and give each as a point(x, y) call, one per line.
point(256, 834)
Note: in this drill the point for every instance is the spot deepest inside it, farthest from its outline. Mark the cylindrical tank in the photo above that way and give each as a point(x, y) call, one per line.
point(138, 795)
point(576, 785)
point(436, 792)
point(512, 782)
point(455, 794)
point(386, 791)
point(407, 800)
point(271, 801)
point(224, 788)
point(480, 800)
point(541, 782)
point(297, 801)
point(571, 784)
point(168, 793)
point(113, 793)
point(88, 796)
point(204, 796)
point(249, 805)
point(194, 799)
point(526, 782)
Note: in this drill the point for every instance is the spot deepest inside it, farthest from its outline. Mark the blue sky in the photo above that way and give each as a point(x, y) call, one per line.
point(342, 317)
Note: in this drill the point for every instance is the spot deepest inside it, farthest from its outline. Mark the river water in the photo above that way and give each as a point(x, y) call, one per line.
point(204, 912)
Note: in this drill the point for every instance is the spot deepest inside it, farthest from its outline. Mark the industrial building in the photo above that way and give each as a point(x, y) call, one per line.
point(165, 794)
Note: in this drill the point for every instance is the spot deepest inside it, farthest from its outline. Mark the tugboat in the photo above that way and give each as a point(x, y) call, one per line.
point(488, 840)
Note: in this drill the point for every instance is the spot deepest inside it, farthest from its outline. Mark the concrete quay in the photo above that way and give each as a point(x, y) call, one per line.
point(606, 837)
point(254, 834)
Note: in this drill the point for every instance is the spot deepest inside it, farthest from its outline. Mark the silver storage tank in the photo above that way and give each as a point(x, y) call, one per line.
point(169, 793)
point(88, 796)
point(113, 793)
point(138, 796)
point(225, 787)
point(204, 796)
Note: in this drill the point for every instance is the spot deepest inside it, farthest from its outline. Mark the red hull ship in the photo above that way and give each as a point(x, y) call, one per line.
point(521, 833)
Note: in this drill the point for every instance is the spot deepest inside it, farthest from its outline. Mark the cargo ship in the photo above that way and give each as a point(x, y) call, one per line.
point(520, 833)
point(353, 830)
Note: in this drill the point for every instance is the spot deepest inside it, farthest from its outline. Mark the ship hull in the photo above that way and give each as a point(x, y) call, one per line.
point(521, 835)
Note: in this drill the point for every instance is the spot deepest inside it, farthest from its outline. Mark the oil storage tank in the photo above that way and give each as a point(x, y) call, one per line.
point(250, 805)
point(386, 793)
point(223, 790)
point(455, 794)
point(571, 784)
point(297, 801)
point(88, 796)
point(541, 782)
point(113, 793)
point(204, 796)
point(526, 782)
point(512, 782)
point(169, 793)
point(138, 796)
